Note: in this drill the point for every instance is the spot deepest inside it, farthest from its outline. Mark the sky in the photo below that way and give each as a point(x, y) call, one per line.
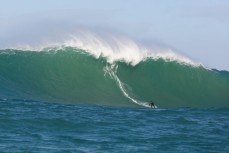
point(197, 28)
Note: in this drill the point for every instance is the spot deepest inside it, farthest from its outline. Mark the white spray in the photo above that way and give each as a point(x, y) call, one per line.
point(111, 46)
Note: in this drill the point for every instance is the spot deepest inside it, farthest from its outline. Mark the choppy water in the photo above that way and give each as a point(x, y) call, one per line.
point(35, 126)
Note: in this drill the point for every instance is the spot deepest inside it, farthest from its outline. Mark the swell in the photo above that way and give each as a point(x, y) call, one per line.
point(72, 75)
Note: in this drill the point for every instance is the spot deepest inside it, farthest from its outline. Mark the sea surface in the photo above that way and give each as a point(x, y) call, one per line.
point(35, 126)
point(67, 99)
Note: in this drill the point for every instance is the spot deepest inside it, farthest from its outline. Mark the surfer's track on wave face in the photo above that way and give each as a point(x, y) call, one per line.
point(72, 75)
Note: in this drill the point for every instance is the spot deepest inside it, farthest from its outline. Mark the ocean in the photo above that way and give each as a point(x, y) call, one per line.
point(66, 99)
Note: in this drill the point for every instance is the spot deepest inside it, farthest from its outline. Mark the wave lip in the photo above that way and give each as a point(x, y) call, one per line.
point(112, 47)
point(117, 48)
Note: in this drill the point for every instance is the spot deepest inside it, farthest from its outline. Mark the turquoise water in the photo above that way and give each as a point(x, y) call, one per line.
point(35, 126)
point(66, 100)
point(71, 75)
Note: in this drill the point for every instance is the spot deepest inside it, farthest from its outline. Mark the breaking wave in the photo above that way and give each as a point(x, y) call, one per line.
point(73, 75)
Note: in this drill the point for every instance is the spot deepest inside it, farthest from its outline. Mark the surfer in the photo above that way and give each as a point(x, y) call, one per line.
point(151, 104)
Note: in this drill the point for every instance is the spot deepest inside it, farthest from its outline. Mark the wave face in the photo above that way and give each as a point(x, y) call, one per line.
point(74, 75)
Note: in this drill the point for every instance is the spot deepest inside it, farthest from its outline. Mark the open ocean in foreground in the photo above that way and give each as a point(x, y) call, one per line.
point(34, 126)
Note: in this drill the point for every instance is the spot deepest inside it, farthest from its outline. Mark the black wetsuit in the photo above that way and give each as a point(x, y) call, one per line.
point(151, 104)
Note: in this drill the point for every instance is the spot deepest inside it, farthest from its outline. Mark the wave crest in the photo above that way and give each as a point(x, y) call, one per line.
point(112, 47)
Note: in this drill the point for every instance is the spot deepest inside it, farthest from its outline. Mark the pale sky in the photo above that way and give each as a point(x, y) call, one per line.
point(198, 28)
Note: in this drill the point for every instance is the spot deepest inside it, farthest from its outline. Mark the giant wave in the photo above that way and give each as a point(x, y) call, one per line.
point(73, 75)
point(91, 68)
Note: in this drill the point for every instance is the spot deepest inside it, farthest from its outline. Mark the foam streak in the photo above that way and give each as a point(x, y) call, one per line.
point(121, 86)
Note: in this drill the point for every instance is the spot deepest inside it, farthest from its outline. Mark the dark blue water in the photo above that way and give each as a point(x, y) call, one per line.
point(34, 126)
